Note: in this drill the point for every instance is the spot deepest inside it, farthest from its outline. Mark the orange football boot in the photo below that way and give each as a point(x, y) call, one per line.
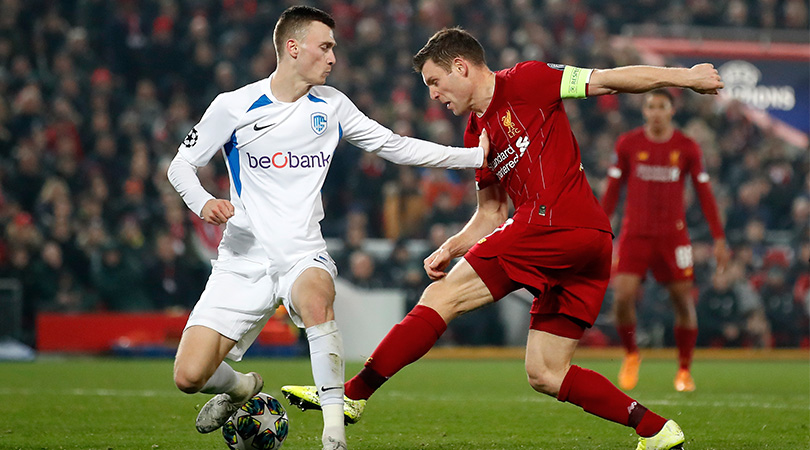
point(628, 374)
point(684, 381)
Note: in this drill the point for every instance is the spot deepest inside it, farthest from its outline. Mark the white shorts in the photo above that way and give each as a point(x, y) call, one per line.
point(241, 296)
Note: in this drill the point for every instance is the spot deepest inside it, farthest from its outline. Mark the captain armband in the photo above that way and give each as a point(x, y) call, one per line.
point(575, 82)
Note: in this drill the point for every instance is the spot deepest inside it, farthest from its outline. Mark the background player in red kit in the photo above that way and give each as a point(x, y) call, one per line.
point(557, 245)
point(653, 161)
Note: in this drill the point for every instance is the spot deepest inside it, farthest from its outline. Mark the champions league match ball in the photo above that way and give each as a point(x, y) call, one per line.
point(261, 424)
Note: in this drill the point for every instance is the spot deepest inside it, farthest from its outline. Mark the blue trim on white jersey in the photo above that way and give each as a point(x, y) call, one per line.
point(262, 101)
point(340, 132)
point(232, 154)
point(315, 99)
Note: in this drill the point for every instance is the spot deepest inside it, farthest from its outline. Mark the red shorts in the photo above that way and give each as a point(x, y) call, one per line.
point(567, 270)
point(668, 257)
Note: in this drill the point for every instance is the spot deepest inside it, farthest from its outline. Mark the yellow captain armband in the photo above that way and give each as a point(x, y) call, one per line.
point(574, 82)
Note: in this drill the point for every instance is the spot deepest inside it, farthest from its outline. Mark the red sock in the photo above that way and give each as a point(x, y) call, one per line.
point(598, 396)
point(627, 333)
point(408, 341)
point(685, 339)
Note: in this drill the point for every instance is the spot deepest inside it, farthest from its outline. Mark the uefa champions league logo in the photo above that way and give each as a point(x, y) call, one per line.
point(742, 80)
point(318, 123)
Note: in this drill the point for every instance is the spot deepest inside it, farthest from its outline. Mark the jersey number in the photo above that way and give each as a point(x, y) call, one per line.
point(683, 256)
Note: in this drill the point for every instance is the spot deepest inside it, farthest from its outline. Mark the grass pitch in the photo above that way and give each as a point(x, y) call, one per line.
point(434, 404)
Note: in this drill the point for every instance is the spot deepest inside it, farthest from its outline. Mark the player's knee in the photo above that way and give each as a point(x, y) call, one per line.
point(317, 308)
point(439, 297)
point(188, 381)
point(543, 380)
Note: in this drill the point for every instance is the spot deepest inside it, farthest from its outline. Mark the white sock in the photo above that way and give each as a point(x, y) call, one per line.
point(333, 425)
point(224, 379)
point(326, 353)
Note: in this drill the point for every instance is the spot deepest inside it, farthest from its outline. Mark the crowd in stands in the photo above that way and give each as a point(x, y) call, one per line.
point(96, 96)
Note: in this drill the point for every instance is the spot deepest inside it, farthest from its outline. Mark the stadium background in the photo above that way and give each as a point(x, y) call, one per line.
point(97, 95)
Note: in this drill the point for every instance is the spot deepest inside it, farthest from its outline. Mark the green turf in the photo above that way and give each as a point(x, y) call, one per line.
point(433, 405)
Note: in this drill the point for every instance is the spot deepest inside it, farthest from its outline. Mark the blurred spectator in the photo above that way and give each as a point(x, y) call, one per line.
point(174, 282)
point(119, 281)
point(363, 271)
point(402, 270)
point(719, 314)
point(404, 206)
point(57, 288)
point(731, 313)
point(786, 315)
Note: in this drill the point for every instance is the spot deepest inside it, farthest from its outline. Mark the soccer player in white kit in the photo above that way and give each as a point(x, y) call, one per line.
point(278, 136)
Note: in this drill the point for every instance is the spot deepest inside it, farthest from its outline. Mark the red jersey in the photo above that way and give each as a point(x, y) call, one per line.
point(654, 173)
point(533, 152)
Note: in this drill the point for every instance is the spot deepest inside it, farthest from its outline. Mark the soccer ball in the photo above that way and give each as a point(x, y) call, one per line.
point(261, 424)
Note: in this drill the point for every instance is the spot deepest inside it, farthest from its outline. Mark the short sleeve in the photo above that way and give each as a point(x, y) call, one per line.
point(547, 83)
point(483, 176)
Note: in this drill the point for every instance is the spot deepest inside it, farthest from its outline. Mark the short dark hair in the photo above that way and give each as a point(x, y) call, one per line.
point(294, 21)
point(663, 92)
point(448, 44)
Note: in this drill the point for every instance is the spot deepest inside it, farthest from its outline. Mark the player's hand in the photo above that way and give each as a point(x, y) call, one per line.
point(705, 79)
point(721, 255)
point(437, 262)
point(217, 211)
point(483, 142)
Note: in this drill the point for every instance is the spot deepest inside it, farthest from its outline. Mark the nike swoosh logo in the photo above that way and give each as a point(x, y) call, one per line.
point(329, 388)
point(318, 260)
point(256, 127)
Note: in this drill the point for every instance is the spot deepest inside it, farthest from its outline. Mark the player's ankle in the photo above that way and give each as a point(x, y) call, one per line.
point(335, 433)
point(243, 388)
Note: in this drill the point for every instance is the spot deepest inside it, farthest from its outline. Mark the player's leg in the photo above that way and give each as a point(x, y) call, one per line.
point(220, 327)
point(674, 269)
point(313, 296)
point(200, 367)
point(549, 370)
point(200, 354)
point(631, 266)
point(625, 295)
point(460, 291)
point(685, 331)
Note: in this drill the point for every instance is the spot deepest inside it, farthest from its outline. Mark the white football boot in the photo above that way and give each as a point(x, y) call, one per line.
point(216, 411)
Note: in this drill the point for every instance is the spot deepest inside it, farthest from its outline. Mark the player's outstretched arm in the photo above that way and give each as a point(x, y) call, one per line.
point(701, 78)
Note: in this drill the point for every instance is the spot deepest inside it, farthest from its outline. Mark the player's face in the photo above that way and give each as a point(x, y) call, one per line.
point(449, 88)
point(317, 54)
point(657, 111)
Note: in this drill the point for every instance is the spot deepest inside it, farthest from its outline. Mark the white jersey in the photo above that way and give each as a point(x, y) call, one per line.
point(278, 155)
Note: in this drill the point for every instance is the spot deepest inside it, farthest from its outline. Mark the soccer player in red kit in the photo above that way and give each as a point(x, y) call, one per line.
point(654, 161)
point(557, 245)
